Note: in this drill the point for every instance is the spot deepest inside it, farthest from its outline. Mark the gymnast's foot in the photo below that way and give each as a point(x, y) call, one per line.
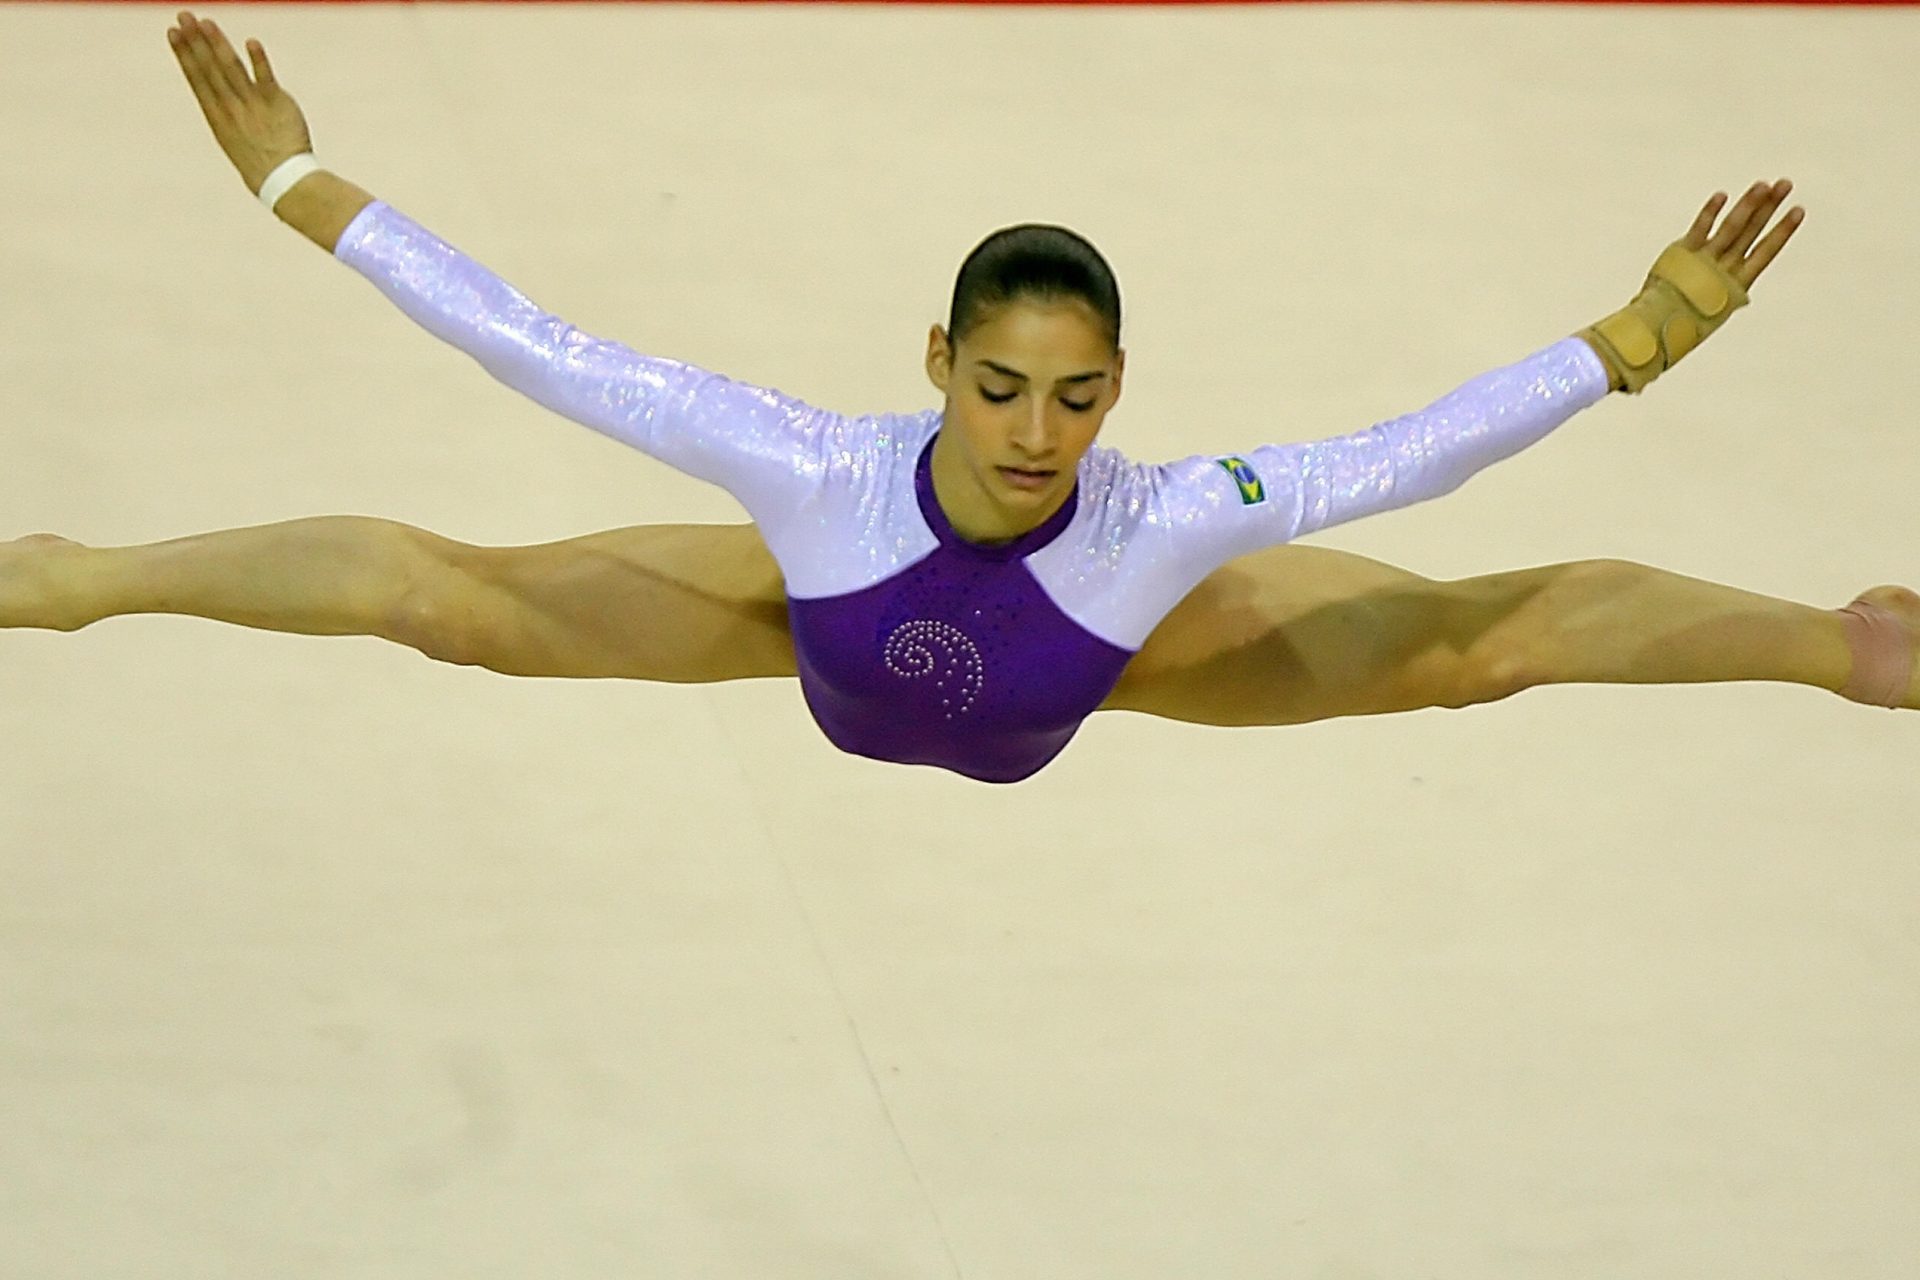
point(27, 581)
point(1885, 660)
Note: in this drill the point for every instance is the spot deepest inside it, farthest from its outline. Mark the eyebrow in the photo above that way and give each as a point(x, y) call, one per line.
point(1015, 373)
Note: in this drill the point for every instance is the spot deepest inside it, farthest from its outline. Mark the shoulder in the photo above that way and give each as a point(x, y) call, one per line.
point(854, 463)
point(1109, 478)
point(858, 520)
point(1146, 533)
point(833, 452)
point(877, 449)
point(1165, 493)
point(1118, 567)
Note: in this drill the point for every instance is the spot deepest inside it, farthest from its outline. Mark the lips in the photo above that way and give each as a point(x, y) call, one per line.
point(1020, 478)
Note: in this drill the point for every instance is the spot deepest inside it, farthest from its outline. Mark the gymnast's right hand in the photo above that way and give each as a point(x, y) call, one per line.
point(254, 120)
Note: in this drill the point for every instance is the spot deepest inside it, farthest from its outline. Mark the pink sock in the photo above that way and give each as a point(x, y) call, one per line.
point(1882, 655)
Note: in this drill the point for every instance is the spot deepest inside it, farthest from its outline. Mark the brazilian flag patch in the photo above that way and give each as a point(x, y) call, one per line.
point(1251, 490)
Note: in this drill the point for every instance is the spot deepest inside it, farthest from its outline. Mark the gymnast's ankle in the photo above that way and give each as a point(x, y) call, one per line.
point(30, 594)
point(1883, 643)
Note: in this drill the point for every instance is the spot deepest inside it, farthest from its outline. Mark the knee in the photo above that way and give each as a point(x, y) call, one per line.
point(1485, 677)
point(1527, 646)
point(423, 621)
point(438, 610)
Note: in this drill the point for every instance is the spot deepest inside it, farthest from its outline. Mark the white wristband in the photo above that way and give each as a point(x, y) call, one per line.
point(288, 172)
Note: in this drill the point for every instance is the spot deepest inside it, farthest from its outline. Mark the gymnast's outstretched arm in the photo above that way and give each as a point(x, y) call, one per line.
point(774, 454)
point(258, 126)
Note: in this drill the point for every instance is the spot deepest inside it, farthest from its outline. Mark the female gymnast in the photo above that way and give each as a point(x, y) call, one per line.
point(963, 587)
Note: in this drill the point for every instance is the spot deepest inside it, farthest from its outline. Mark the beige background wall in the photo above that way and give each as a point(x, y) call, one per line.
point(321, 960)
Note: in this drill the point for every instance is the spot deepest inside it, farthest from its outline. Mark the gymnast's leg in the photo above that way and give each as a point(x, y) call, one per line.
point(1285, 636)
point(684, 603)
point(1295, 634)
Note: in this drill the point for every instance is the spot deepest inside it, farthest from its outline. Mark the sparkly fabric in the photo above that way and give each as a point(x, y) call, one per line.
point(790, 465)
point(1156, 531)
point(913, 644)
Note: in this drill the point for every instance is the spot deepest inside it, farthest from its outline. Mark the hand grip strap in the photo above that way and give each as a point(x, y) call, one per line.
point(1686, 297)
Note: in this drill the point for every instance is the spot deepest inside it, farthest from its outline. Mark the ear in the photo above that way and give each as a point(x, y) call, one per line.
point(1119, 375)
point(939, 358)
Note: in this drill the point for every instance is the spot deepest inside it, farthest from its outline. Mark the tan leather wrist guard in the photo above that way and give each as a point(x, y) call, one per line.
point(1687, 296)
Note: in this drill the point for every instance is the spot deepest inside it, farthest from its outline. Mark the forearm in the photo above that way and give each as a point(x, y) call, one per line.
point(1433, 451)
point(320, 206)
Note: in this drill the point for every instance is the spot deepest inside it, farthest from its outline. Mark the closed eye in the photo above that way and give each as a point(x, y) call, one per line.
point(1074, 405)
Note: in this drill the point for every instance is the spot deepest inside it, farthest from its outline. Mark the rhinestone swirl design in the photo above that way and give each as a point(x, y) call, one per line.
point(923, 648)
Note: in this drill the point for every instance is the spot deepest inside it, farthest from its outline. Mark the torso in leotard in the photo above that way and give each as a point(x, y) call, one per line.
point(960, 657)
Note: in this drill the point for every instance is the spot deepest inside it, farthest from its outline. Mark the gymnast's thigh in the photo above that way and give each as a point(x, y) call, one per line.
point(681, 603)
point(1289, 635)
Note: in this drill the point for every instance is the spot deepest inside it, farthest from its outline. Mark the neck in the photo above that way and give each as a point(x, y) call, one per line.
point(970, 508)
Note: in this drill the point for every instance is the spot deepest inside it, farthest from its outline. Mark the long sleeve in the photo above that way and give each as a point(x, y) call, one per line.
point(1281, 492)
point(1158, 530)
point(766, 449)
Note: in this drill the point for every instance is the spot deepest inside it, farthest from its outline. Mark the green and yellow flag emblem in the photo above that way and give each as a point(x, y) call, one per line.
point(1251, 490)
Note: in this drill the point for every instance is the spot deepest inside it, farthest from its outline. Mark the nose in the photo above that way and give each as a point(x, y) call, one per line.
point(1033, 435)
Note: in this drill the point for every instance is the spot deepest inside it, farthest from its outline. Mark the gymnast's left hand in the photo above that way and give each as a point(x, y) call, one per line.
point(1696, 283)
point(1732, 246)
point(255, 121)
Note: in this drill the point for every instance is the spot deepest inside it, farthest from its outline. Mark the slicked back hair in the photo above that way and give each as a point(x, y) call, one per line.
point(1032, 261)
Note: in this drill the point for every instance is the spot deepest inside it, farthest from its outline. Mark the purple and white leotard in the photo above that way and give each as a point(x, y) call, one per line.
point(913, 644)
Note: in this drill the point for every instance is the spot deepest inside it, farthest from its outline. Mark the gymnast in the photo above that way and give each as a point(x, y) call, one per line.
point(962, 587)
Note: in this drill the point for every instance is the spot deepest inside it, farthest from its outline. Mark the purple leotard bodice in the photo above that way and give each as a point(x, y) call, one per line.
point(914, 645)
point(959, 660)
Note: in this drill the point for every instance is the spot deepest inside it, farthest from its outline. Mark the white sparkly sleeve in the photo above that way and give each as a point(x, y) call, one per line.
point(762, 447)
point(1159, 530)
point(1219, 508)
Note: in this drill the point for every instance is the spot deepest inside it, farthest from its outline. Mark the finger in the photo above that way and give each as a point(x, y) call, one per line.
point(1736, 221)
point(1696, 237)
point(1757, 261)
point(262, 69)
point(1740, 223)
point(1762, 214)
point(202, 92)
point(225, 61)
point(214, 91)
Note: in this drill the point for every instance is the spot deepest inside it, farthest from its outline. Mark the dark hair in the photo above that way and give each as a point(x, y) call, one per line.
point(1032, 260)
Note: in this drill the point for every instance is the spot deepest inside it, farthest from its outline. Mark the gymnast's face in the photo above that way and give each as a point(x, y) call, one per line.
point(1026, 391)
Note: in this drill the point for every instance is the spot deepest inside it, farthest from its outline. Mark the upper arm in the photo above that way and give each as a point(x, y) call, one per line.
point(763, 447)
point(1223, 507)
